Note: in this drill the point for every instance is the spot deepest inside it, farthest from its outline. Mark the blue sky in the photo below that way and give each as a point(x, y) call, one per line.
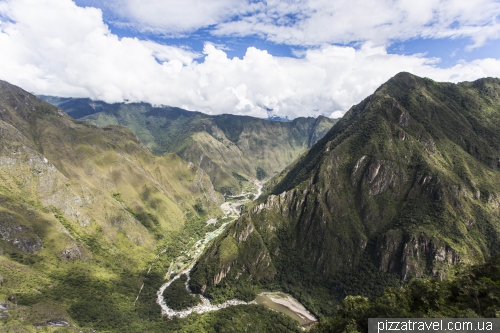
point(449, 50)
point(297, 57)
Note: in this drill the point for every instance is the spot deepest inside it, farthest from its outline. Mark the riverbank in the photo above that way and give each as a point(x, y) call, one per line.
point(185, 263)
point(286, 304)
point(276, 301)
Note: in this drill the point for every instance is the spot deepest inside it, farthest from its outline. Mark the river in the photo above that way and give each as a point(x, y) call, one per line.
point(276, 301)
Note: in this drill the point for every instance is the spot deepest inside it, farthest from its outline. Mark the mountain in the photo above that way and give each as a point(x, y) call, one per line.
point(76, 107)
point(405, 185)
point(230, 149)
point(48, 157)
point(85, 212)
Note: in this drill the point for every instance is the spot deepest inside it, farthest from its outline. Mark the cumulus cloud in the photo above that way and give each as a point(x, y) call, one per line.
point(54, 47)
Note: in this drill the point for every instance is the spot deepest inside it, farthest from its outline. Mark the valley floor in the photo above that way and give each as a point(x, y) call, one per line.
point(276, 301)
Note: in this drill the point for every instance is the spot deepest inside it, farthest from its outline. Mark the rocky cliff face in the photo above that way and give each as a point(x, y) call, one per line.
point(406, 182)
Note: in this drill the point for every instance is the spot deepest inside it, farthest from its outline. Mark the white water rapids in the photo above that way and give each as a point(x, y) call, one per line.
point(232, 210)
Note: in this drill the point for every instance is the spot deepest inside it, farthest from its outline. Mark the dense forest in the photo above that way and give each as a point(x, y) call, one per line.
point(472, 292)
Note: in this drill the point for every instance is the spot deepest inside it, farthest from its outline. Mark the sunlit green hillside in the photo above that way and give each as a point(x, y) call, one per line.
point(84, 211)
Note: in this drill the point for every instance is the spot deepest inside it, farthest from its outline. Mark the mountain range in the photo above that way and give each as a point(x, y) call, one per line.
point(91, 220)
point(392, 211)
point(231, 149)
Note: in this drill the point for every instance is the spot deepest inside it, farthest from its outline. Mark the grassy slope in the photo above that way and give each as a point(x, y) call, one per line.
point(405, 185)
point(222, 145)
point(84, 211)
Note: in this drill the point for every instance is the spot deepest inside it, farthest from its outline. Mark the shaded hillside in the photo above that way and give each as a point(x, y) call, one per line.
point(84, 212)
point(231, 149)
point(405, 185)
point(76, 107)
point(472, 293)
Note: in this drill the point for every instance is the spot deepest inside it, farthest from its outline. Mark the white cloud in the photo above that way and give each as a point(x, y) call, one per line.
point(173, 17)
point(168, 52)
point(314, 22)
point(54, 47)
point(337, 114)
point(324, 21)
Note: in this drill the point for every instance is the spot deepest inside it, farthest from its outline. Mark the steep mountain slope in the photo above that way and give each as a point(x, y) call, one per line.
point(473, 292)
point(83, 213)
point(231, 149)
point(405, 185)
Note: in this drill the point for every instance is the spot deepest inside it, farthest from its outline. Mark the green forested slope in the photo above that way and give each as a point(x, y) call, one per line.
point(472, 292)
point(405, 185)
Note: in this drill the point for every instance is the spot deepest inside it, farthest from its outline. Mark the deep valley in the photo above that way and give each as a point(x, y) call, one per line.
point(130, 217)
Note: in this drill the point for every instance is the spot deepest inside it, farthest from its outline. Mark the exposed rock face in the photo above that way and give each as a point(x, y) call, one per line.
point(71, 253)
point(243, 235)
point(57, 322)
point(20, 236)
point(413, 257)
point(406, 181)
point(3, 310)
point(222, 274)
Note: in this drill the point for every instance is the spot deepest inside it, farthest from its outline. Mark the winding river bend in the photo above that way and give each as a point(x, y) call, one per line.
point(284, 303)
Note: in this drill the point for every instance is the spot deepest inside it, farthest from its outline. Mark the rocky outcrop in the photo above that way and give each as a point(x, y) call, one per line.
point(222, 274)
point(414, 257)
point(72, 253)
point(57, 322)
point(19, 235)
point(379, 176)
point(4, 307)
point(243, 234)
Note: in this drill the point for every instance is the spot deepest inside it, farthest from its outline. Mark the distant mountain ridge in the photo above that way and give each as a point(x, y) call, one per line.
point(278, 118)
point(405, 185)
point(231, 149)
